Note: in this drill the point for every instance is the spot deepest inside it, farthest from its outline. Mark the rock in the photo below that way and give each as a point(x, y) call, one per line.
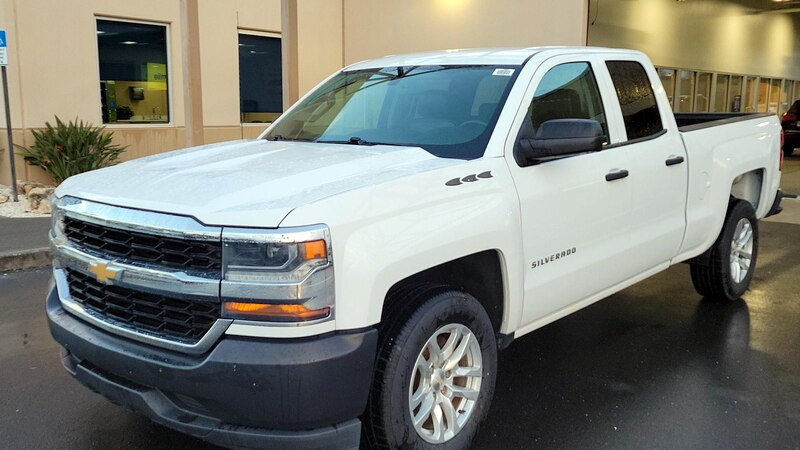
point(39, 195)
point(3, 199)
point(44, 207)
point(24, 187)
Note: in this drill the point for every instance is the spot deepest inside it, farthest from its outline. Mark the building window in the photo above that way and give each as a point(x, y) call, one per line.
point(667, 77)
point(260, 79)
point(134, 84)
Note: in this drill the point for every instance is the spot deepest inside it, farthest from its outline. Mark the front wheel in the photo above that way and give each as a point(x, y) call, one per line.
point(435, 375)
point(733, 257)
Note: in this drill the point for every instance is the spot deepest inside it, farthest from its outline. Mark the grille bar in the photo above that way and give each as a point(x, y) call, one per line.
point(116, 243)
point(173, 318)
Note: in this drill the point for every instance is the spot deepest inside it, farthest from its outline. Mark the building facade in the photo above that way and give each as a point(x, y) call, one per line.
point(171, 73)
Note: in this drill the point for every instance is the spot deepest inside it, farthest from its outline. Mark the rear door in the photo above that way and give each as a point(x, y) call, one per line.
point(658, 163)
point(575, 222)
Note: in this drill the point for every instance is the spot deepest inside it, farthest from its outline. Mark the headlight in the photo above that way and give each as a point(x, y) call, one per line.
point(269, 262)
point(277, 275)
point(56, 216)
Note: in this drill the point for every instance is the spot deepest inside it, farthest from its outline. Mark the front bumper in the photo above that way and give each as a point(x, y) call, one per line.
point(244, 392)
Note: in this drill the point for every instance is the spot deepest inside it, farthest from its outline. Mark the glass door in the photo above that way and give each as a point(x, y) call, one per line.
point(702, 95)
point(720, 103)
point(735, 94)
point(684, 102)
point(774, 96)
point(751, 94)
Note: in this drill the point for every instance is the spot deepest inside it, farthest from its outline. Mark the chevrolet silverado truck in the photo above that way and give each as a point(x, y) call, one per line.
point(349, 277)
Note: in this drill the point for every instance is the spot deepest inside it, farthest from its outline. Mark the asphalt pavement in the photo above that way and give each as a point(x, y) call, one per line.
point(23, 233)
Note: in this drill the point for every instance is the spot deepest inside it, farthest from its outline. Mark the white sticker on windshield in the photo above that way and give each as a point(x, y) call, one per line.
point(503, 72)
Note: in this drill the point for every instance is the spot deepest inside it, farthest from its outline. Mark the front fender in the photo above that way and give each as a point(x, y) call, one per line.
point(390, 231)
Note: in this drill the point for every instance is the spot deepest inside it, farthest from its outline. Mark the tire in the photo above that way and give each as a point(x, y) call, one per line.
point(407, 340)
point(718, 279)
point(787, 150)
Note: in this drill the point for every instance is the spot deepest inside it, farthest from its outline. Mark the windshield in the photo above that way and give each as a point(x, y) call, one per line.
point(450, 111)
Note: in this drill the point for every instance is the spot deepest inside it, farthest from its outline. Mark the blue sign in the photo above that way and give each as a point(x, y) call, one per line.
point(3, 49)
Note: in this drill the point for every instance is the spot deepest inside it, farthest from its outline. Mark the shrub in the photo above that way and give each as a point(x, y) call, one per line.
point(68, 149)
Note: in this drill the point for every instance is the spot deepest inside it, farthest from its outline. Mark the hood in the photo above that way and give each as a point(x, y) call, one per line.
point(253, 183)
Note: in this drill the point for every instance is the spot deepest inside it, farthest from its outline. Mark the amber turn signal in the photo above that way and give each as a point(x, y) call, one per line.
point(315, 249)
point(273, 313)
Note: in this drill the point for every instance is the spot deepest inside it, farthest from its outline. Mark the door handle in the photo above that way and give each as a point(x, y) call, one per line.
point(673, 160)
point(616, 175)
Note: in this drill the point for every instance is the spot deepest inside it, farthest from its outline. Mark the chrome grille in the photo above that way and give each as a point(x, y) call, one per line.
point(173, 318)
point(116, 243)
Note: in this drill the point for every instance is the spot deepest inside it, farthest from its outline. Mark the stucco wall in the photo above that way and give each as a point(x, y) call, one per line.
point(54, 68)
point(382, 27)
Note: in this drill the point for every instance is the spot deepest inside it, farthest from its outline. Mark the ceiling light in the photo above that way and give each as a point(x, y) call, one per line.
point(129, 42)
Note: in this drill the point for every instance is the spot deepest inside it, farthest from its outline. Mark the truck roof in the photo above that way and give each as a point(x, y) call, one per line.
point(489, 56)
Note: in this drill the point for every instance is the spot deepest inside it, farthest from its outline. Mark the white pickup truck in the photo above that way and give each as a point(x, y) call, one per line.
point(352, 274)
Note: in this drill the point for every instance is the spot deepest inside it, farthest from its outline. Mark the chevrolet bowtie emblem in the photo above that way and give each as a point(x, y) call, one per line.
point(103, 273)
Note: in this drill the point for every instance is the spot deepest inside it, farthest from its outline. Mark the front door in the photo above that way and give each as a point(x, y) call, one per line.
point(575, 211)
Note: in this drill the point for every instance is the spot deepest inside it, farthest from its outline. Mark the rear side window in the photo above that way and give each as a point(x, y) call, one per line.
point(636, 98)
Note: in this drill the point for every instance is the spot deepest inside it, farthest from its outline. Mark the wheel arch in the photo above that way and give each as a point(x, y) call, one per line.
point(482, 275)
point(749, 186)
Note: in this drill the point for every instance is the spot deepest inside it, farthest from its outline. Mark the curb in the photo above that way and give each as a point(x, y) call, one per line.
point(25, 259)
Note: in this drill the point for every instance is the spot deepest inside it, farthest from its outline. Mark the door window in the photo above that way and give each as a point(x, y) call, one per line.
point(636, 99)
point(567, 91)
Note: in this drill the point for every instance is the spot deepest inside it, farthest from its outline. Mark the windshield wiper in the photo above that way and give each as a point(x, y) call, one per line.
point(355, 140)
point(279, 137)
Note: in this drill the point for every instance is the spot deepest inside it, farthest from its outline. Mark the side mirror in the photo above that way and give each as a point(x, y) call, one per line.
point(560, 137)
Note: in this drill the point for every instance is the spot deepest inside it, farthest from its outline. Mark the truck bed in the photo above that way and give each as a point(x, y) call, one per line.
point(696, 121)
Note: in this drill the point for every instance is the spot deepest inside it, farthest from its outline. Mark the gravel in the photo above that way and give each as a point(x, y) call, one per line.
point(18, 209)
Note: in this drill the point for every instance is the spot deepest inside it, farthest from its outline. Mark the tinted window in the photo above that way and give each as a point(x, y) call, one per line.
point(636, 98)
point(795, 109)
point(260, 86)
point(133, 72)
point(567, 91)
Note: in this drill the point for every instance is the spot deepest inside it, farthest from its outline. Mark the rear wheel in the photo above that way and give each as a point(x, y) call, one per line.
point(788, 150)
point(733, 257)
point(435, 373)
